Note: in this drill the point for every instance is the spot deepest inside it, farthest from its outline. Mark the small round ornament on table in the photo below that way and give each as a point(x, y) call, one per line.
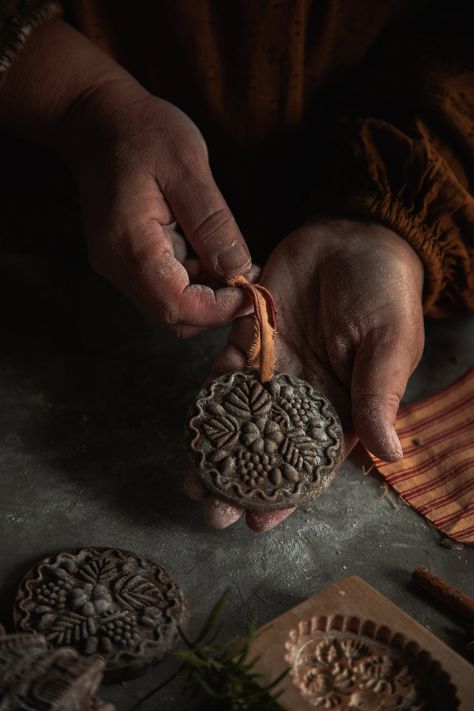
point(104, 602)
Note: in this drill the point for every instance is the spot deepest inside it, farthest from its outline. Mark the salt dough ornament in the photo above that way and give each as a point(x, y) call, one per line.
point(264, 446)
point(106, 602)
point(342, 663)
point(33, 676)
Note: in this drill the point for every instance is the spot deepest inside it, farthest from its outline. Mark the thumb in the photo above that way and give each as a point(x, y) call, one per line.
point(207, 221)
point(383, 363)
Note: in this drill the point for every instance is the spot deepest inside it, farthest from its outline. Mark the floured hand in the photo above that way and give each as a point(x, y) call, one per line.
point(348, 295)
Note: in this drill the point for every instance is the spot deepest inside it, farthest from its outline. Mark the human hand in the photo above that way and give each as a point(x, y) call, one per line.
point(348, 295)
point(141, 165)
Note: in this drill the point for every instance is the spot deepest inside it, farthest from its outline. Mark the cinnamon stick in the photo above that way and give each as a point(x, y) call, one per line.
point(446, 593)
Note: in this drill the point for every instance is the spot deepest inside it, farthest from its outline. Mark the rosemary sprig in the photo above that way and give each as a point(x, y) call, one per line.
point(222, 670)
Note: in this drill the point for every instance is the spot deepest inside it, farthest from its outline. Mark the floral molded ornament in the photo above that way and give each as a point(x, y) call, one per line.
point(264, 446)
point(103, 602)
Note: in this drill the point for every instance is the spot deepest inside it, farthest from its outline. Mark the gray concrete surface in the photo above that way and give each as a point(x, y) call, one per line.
point(91, 453)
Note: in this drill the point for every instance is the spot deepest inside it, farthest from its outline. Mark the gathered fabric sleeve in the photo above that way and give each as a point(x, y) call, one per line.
point(18, 18)
point(402, 149)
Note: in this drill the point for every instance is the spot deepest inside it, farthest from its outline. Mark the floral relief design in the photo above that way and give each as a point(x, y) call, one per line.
point(104, 602)
point(344, 673)
point(342, 662)
point(264, 442)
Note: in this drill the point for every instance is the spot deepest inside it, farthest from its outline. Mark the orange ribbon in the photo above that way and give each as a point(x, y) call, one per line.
point(261, 353)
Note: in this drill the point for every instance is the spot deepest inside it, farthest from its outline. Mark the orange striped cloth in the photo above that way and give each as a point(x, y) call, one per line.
point(436, 474)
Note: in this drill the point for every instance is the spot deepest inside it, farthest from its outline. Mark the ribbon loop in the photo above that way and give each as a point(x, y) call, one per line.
point(261, 354)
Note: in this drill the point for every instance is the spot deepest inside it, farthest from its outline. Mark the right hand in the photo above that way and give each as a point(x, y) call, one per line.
point(348, 294)
point(141, 165)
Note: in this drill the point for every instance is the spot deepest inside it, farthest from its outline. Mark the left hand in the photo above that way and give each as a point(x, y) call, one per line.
point(348, 295)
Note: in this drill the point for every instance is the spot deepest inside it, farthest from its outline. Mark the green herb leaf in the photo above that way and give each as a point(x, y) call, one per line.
point(222, 671)
point(213, 615)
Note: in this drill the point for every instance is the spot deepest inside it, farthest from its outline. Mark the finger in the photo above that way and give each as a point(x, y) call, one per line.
point(194, 487)
point(178, 242)
point(198, 275)
point(217, 513)
point(254, 274)
point(207, 221)
point(383, 363)
point(265, 521)
point(137, 254)
point(220, 514)
point(159, 285)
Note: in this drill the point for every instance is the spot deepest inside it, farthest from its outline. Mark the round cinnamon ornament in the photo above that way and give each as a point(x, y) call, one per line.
point(105, 602)
point(264, 446)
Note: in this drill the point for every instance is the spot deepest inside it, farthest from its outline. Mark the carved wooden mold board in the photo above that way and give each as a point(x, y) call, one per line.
point(339, 662)
point(105, 602)
point(349, 647)
point(264, 446)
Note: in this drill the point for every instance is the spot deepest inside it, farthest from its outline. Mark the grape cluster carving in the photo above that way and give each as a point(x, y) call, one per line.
point(268, 436)
point(106, 602)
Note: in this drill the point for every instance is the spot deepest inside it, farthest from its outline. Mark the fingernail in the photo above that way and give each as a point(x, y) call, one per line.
point(234, 259)
point(396, 447)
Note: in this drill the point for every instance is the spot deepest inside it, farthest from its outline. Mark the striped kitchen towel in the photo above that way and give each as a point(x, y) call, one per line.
point(436, 474)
